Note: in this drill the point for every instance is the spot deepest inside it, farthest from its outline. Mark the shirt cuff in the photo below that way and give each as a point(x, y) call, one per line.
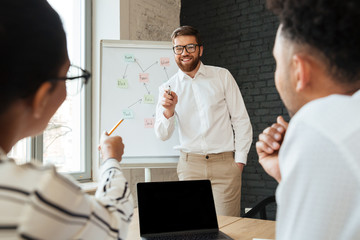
point(167, 121)
point(107, 164)
point(240, 157)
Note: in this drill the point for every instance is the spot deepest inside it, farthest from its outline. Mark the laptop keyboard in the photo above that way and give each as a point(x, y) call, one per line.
point(202, 236)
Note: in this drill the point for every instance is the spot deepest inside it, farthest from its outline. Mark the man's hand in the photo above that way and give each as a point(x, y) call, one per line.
point(268, 146)
point(111, 147)
point(169, 102)
point(241, 166)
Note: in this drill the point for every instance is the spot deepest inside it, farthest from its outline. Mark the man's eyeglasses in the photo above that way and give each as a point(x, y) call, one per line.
point(190, 48)
point(75, 78)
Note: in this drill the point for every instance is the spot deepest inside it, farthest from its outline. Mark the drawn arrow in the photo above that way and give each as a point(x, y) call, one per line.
point(146, 88)
point(139, 65)
point(166, 73)
point(151, 65)
point(138, 101)
point(125, 70)
point(146, 68)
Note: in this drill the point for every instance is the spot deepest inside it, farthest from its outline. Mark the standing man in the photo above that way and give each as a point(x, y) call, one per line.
point(214, 127)
point(316, 157)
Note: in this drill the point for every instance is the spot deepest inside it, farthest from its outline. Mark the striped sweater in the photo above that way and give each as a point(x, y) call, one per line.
point(36, 202)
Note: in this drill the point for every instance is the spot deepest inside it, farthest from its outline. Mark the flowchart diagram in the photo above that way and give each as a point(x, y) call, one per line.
point(130, 78)
point(143, 78)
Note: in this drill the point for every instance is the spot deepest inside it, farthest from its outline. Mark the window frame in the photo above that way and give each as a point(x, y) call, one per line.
point(36, 149)
point(86, 135)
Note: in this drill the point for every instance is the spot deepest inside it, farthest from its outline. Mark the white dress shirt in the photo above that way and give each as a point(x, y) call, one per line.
point(319, 193)
point(210, 113)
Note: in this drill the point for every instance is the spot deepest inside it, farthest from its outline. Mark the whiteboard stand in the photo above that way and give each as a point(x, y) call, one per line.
point(135, 163)
point(147, 175)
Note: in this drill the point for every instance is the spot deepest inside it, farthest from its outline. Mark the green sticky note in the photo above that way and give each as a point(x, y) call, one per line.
point(127, 114)
point(122, 83)
point(149, 99)
point(129, 58)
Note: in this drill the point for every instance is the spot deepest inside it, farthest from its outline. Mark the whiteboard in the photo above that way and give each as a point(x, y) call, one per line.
point(130, 75)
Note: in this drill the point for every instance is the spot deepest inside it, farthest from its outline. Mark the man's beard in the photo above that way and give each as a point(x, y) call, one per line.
point(188, 68)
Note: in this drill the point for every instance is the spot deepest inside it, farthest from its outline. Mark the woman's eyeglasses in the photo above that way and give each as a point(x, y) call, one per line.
point(75, 78)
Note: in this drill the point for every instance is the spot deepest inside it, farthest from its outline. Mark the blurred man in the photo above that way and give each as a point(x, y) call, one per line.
point(316, 158)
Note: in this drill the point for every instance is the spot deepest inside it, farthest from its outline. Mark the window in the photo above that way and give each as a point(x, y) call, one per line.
point(21, 152)
point(63, 143)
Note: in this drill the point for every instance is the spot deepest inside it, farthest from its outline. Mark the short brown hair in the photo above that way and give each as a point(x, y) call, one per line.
point(187, 31)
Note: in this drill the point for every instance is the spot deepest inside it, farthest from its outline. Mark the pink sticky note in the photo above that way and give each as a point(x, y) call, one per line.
point(165, 61)
point(144, 77)
point(149, 122)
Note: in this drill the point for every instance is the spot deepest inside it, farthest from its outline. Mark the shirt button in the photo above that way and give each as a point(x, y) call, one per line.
point(207, 157)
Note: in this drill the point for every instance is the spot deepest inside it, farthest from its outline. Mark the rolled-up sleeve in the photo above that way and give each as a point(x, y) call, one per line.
point(239, 119)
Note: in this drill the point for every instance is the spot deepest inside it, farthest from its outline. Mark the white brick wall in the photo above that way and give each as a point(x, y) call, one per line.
point(152, 20)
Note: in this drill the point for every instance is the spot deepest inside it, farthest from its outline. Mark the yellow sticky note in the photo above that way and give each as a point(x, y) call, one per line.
point(149, 99)
point(122, 83)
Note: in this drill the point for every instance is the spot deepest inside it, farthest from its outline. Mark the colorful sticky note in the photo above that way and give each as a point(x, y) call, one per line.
point(149, 99)
point(144, 77)
point(129, 58)
point(127, 114)
point(122, 83)
point(165, 61)
point(149, 122)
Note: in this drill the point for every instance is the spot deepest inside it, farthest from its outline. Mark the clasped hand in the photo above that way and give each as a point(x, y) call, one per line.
point(268, 147)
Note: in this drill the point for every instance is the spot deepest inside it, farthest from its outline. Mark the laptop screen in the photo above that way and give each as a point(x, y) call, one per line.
point(176, 206)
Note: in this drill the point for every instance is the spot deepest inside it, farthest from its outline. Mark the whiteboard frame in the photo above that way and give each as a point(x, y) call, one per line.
point(133, 161)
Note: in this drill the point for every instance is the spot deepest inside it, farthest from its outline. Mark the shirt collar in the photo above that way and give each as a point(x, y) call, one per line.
point(3, 155)
point(202, 70)
point(357, 94)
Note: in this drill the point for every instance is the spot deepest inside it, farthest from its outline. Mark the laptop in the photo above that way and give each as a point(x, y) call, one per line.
point(177, 210)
